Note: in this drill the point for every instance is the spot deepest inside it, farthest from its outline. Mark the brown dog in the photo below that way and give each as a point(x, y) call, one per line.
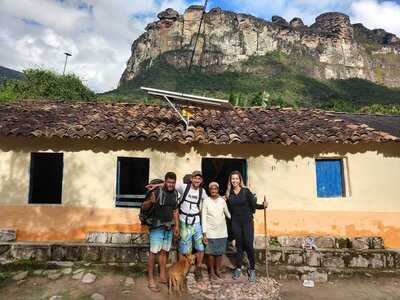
point(177, 273)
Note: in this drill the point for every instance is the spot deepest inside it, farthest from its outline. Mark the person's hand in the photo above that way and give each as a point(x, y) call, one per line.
point(265, 203)
point(150, 187)
point(205, 240)
point(176, 232)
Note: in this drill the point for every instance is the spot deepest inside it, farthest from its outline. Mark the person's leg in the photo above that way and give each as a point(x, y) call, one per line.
point(210, 266)
point(162, 260)
point(198, 243)
point(249, 243)
point(150, 269)
point(238, 236)
point(185, 240)
point(155, 247)
point(218, 263)
point(249, 240)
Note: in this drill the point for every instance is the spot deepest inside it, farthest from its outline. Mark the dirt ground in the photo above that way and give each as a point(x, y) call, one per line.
point(343, 289)
point(112, 286)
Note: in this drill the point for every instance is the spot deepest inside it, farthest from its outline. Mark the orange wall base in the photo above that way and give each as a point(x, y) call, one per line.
point(62, 223)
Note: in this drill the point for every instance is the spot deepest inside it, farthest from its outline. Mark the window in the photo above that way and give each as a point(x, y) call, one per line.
point(219, 169)
point(330, 178)
point(46, 175)
point(132, 177)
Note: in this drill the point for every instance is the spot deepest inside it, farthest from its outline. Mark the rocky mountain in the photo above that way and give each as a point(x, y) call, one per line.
point(331, 48)
point(6, 74)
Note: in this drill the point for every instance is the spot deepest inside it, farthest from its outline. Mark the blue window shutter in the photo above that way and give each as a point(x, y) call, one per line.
point(329, 178)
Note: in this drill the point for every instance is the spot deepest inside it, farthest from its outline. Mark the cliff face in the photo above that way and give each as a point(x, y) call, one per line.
point(331, 48)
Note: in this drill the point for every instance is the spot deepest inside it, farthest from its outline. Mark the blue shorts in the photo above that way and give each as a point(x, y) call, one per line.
point(189, 235)
point(160, 238)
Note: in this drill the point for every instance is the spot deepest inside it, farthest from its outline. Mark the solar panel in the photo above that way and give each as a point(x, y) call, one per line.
point(189, 100)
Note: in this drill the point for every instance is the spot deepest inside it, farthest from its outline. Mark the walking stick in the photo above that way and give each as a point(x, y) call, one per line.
point(266, 238)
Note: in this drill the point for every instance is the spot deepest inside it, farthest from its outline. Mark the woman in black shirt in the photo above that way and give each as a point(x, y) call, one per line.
point(242, 205)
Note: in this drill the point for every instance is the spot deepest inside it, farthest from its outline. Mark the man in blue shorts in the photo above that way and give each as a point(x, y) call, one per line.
point(164, 201)
point(191, 233)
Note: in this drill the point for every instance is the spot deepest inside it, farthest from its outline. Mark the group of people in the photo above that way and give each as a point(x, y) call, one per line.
point(184, 212)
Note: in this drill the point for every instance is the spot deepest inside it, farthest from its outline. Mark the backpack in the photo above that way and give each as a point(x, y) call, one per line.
point(183, 199)
point(146, 215)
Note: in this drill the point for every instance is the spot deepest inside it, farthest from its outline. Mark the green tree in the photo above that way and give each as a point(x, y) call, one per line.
point(46, 85)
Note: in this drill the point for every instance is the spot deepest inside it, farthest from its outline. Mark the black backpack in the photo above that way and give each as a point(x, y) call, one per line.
point(146, 216)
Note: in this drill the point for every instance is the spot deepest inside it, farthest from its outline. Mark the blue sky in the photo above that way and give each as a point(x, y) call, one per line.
point(99, 33)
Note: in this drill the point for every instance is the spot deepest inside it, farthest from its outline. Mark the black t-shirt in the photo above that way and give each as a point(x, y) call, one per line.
point(242, 205)
point(165, 205)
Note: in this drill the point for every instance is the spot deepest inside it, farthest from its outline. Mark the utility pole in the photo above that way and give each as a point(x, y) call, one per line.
point(66, 58)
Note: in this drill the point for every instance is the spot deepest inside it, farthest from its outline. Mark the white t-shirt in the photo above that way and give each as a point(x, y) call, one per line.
point(189, 206)
point(213, 218)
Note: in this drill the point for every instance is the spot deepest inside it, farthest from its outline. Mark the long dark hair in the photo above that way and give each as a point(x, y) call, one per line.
point(229, 186)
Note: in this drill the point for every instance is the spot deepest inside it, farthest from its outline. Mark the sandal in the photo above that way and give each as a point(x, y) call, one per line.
point(154, 288)
point(164, 282)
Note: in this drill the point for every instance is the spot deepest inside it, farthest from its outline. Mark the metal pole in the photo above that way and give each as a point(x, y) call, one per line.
point(66, 58)
point(266, 239)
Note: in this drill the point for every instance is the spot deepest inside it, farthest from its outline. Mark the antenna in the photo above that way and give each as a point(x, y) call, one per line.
point(197, 36)
point(186, 100)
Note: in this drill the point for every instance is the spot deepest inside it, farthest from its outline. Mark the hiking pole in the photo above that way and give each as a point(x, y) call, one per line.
point(266, 238)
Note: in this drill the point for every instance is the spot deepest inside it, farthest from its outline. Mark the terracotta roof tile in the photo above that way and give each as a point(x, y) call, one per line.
point(160, 123)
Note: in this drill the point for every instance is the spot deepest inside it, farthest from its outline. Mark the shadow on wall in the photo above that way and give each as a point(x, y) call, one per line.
point(12, 185)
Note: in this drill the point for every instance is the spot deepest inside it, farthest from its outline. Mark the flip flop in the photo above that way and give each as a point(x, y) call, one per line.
point(164, 282)
point(154, 288)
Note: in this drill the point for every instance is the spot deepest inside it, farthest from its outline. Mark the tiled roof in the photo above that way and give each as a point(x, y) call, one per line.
point(130, 122)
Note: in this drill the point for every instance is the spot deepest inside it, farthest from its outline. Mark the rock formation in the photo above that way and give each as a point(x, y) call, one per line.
point(331, 48)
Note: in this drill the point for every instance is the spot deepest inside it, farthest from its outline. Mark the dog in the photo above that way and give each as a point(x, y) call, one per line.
point(177, 273)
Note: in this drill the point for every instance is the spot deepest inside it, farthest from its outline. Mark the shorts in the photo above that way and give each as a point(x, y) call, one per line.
point(216, 246)
point(189, 235)
point(160, 238)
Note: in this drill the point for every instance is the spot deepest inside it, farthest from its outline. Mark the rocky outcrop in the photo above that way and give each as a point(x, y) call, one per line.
point(331, 48)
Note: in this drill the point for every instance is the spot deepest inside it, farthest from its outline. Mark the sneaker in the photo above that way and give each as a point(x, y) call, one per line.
point(252, 275)
point(237, 273)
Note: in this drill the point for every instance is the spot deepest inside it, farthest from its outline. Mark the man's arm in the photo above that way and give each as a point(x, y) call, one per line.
point(149, 201)
point(176, 221)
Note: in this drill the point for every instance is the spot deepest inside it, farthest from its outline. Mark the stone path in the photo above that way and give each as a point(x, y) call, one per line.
point(227, 288)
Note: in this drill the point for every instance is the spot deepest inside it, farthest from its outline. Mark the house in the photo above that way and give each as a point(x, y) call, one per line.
point(70, 168)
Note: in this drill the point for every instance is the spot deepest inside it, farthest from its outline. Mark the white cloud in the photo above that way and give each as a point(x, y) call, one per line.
point(374, 14)
point(98, 33)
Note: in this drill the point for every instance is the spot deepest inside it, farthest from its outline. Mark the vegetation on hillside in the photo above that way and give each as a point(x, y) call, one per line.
point(8, 74)
point(47, 85)
point(284, 88)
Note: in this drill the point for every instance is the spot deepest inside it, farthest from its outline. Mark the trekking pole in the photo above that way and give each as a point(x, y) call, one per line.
point(266, 238)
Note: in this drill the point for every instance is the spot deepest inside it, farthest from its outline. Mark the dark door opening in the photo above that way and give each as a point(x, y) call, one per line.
point(219, 169)
point(46, 176)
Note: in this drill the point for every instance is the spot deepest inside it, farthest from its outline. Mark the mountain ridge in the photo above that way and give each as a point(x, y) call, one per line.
point(335, 48)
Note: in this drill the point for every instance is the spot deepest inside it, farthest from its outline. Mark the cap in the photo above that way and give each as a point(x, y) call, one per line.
point(197, 173)
point(156, 181)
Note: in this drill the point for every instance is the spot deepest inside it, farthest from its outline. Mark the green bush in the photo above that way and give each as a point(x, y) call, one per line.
point(46, 85)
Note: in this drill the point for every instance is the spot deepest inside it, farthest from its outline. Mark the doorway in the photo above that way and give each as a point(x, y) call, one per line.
point(219, 169)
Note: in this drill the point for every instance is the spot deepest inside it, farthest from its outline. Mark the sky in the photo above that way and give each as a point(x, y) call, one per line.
point(99, 33)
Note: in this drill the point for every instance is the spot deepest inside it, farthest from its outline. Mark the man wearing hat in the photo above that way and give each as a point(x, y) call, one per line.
point(191, 233)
